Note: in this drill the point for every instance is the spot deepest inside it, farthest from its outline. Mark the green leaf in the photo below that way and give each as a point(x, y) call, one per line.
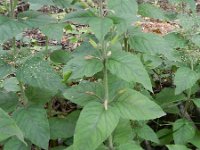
point(5, 69)
point(177, 147)
point(128, 67)
point(63, 127)
point(196, 102)
point(8, 127)
point(124, 9)
point(60, 56)
point(34, 124)
point(196, 39)
point(8, 101)
point(133, 105)
point(195, 140)
point(175, 40)
point(37, 73)
point(183, 131)
point(83, 66)
point(123, 132)
point(11, 84)
point(151, 44)
point(94, 126)
point(151, 11)
point(35, 19)
point(165, 136)
point(15, 144)
point(9, 28)
point(84, 93)
point(129, 146)
point(184, 79)
point(145, 132)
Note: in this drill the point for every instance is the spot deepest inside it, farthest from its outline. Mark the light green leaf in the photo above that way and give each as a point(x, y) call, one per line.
point(8, 101)
point(5, 69)
point(195, 140)
point(38, 73)
point(60, 56)
point(94, 126)
point(177, 147)
point(123, 132)
point(128, 67)
point(130, 146)
point(84, 93)
point(133, 105)
point(8, 127)
point(184, 79)
point(151, 44)
point(63, 127)
point(196, 40)
point(175, 40)
point(196, 102)
point(11, 84)
point(151, 11)
point(183, 131)
point(34, 124)
point(145, 132)
point(9, 28)
point(15, 144)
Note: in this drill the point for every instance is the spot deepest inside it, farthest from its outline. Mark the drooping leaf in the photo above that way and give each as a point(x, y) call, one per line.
point(183, 131)
point(63, 127)
point(128, 67)
point(34, 124)
point(184, 79)
point(38, 73)
point(8, 101)
point(133, 105)
point(15, 144)
point(151, 11)
point(84, 93)
point(177, 147)
point(8, 127)
point(94, 126)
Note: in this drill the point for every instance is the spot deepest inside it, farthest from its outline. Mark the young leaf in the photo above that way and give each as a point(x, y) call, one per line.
point(84, 93)
point(94, 126)
point(8, 127)
point(34, 124)
point(183, 131)
point(184, 79)
point(128, 67)
point(133, 105)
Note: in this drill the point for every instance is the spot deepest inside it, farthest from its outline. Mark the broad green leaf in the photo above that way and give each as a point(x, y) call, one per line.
point(130, 146)
point(8, 101)
point(184, 79)
point(124, 9)
point(128, 67)
point(145, 132)
point(63, 3)
point(175, 40)
point(94, 126)
point(195, 140)
point(5, 69)
point(183, 131)
point(100, 26)
point(177, 147)
point(123, 132)
point(37, 73)
point(11, 84)
point(60, 56)
point(151, 44)
point(84, 93)
point(8, 127)
point(151, 11)
point(36, 4)
point(53, 31)
point(63, 127)
point(165, 136)
point(133, 105)
point(81, 66)
point(15, 144)
point(9, 28)
point(34, 124)
point(196, 40)
point(152, 61)
point(196, 102)
point(35, 19)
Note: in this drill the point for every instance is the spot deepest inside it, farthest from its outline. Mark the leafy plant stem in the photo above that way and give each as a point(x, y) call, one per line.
point(23, 95)
point(126, 43)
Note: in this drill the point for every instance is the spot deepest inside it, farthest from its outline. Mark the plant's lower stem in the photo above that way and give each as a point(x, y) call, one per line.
point(110, 143)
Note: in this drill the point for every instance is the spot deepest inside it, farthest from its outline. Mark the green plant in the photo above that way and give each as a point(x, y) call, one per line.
point(111, 78)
